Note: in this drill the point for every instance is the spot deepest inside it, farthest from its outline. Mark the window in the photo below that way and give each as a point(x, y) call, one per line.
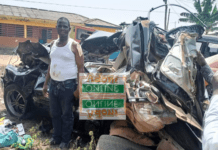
point(80, 34)
point(29, 31)
point(19, 31)
point(14, 30)
point(3, 29)
point(1, 33)
point(11, 30)
point(49, 32)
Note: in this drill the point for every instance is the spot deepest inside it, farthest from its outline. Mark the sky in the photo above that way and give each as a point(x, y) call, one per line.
point(113, 11)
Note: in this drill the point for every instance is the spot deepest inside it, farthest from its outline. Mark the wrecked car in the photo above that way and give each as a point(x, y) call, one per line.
point(165, 88)
point(23, 97)
point(166, 97)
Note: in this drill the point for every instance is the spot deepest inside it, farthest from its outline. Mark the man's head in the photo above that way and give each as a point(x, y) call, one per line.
point(63, 27)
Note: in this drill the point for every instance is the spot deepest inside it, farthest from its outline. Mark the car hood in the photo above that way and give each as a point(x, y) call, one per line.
point(32, 51)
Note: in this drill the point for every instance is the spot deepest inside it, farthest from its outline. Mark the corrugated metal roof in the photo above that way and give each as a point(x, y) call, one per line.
point(39, 13)
point(99, 22)
point(49, 15)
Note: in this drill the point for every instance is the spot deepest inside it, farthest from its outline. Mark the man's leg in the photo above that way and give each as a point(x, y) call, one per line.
point(55, 109)
point(67, 115)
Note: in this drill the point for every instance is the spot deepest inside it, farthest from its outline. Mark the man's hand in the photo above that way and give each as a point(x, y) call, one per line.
point(76, 93)
point(215, 83)
point(45, 91)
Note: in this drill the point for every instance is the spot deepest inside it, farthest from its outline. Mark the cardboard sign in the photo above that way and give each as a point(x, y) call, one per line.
point(102, 96)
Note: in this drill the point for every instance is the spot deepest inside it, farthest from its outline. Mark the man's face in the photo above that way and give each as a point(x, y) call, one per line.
point(63, 28)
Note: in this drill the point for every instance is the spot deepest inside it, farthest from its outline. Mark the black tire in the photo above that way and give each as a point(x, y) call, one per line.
point(181, 133)
point(15, 101)
point(107, 142)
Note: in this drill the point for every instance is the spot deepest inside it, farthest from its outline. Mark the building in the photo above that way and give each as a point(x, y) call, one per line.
point(18, 24)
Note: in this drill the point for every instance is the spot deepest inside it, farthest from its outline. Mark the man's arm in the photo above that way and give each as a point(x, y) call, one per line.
point(79, 57)
point(210, 134)
point(45, 86)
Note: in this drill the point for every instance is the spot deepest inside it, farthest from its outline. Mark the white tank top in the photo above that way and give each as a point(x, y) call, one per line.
point(63, 65)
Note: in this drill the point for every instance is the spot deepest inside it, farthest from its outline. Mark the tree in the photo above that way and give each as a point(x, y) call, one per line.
point(206, 12)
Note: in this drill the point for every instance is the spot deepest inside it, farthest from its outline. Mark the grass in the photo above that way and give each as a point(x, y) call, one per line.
point(40, 143)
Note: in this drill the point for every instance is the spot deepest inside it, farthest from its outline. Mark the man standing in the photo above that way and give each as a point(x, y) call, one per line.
point(210, 133)
point(66, 62)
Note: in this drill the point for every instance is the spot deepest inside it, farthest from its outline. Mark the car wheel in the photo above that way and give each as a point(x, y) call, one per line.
point(15, 101)
point(107, 142)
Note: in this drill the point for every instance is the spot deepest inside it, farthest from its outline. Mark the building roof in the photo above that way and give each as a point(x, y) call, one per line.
point(99, 22)
point(35, 13)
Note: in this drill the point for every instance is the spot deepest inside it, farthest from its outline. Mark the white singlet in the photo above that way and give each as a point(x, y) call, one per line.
point(63, 64)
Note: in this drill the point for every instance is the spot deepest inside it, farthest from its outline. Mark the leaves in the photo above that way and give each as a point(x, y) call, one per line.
point(214, 10)
point(197, 5)
point(214, 28)
point(206, 13)
point(184, 20)
point(185, 14)
point(207, 7)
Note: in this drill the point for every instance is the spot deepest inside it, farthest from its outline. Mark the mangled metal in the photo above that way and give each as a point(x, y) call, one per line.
point(148, 117)
point(168, 66)
point(100, 44)
point(179, 67)
point(165, 83)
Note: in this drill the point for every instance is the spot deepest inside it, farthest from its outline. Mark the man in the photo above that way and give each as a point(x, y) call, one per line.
point(210, 133)
point(66, 62)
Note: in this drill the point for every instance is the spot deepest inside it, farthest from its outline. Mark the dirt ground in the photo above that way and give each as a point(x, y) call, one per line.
point(42, 140)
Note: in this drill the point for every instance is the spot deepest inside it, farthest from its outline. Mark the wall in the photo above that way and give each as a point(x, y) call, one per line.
point(12, 42)
point(105, 29)
point(9, 38)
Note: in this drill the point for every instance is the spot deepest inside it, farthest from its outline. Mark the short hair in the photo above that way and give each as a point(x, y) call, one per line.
point(63, 18)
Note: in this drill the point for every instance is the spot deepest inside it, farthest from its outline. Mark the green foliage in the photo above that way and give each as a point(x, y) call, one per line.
point(206, 12)
point(38, 143)
point(92, 140)
point(91, 145)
